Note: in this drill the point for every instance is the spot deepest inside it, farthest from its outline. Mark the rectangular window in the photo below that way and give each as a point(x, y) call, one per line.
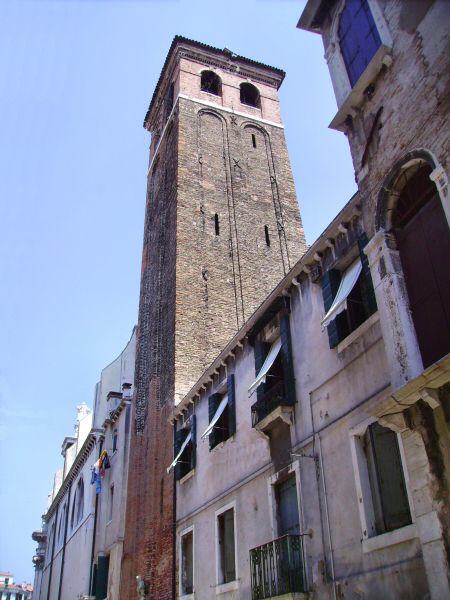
point(387, 482)
point(226, 549)
point(222, 415)
point(348, 297)
point(111, 503)
point(115, 436)
point(187, 563)
point(185, 449)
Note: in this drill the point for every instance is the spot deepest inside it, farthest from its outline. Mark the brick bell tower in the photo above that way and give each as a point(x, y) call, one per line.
point(222, 227)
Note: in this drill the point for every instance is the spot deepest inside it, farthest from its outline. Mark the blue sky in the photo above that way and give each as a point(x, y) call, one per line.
point(76, 77)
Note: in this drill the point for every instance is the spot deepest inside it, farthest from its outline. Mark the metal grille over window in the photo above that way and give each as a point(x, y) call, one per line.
point(358, 37)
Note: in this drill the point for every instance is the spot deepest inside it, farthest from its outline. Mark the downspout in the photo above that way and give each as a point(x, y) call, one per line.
point(65, 541)
point(174, 528)
point(94, 532)
point(53, 554)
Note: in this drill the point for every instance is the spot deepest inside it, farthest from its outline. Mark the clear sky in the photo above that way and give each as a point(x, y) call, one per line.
point(76, 77)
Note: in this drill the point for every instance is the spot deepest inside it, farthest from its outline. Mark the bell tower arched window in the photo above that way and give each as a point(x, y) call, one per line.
point(210, 82)
point(249, 95)
point(421, 233)
point(358, 37)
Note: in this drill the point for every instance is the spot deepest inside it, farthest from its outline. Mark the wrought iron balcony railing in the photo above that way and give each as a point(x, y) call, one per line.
point(272, 399)
point(277, 568)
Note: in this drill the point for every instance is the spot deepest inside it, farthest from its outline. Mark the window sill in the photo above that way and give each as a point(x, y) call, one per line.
point(356, 96)
point(222, 443)
point(391, 538)
point(187, 476)
point(187, 596)
point(212, 95)
point(223, 588)
point(358, 332)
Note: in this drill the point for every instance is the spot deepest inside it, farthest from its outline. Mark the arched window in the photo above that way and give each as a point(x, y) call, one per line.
point(210, 82)
point(358, 37)
point(421, 233)
point(249, 95)
point(72, 516)
point(61, 526)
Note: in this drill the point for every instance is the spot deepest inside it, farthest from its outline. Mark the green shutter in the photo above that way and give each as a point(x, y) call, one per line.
point(368, 293)
point(231, 405)
point(101, 588)
point(180, 468)
point(215, 435)
point(286, 353)
point(338, 328)
point(392, 488)
point(261, 351)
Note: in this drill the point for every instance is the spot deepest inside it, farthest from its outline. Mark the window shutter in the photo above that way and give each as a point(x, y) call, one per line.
point(179, 469)
point(370, 303)
point(193, 441)
point(231, 405)
point(286, 353)
point(261, 351)
point(213, 405)
point(338, 328)
point(394, 499)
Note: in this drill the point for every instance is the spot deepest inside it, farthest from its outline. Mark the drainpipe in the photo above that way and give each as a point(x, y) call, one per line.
point(174, 528)
point(53, 554)
point(65, 541)
point(94, 532)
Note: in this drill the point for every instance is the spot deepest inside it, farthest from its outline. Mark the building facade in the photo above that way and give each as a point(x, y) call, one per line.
point(80, 543)
point(14, 591)
point(222, 227)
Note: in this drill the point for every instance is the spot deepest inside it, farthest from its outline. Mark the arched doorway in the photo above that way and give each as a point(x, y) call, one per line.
point(418, 222)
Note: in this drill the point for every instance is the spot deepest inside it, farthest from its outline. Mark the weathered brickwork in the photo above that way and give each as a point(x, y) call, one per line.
point(222, 228)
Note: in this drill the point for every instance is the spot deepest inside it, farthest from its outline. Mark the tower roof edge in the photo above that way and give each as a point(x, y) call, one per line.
point(276, 72)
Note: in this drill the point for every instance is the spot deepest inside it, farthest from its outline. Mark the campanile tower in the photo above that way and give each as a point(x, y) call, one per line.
point(222, 227)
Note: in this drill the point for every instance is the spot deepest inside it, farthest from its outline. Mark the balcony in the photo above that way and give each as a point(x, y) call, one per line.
point(274, 404)
point(277, 569)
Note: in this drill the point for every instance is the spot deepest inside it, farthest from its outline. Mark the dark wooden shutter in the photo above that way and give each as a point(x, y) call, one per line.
point(231, 405)
point(213, 404)
point(286, 353)
point(193, 442)
point(338, 328)
point(368, 293)
point(393, 496)
point(101, 588)
point(180, 467)
point(261, 351)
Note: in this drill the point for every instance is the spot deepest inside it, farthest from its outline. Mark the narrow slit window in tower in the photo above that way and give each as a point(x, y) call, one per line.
point(266, 233)
point(253, 140)
point(216, 224)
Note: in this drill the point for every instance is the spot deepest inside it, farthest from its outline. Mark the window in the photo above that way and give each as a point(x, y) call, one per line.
point(249, 95)
point(61, 527)
point(266, 235)
point(274, 383)
point(115, 436)
point(78, 504)
point(168, 102)
point(111, 503)
point(253, 140)
point(348, 297)
point(187, 563)
point(216, 224)
point(210, 82)
point(387, 483)
point(421, 233)
point(184, 449)
point(222, 415)
point(358, 37)
point(226, 547)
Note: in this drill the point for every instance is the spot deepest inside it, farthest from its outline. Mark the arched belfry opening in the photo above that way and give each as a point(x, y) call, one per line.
point(210, 82)
point(249, 95)
point(415, 215)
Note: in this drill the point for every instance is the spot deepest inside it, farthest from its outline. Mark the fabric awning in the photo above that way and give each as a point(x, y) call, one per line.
point(270, 359)
point(349, 278)
point(216, 417)
point(178, 456)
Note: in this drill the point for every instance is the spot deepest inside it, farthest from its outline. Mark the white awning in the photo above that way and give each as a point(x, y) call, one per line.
point(349, 278)
point(270, 359)
point(178, 456)
point(216, 417)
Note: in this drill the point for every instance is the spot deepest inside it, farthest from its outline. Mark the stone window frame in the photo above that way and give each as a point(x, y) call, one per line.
point(348, 96)
point(223, 588)
point(364, 493)
point(182, 533)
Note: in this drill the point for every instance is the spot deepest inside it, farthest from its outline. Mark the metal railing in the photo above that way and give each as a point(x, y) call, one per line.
point(277, 568)
point(271, 400)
